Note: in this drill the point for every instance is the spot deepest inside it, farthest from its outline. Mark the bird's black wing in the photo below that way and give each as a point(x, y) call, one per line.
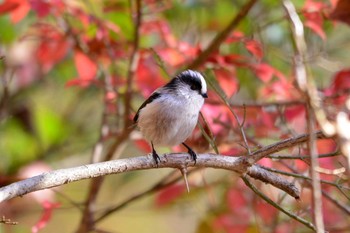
point(150, 99)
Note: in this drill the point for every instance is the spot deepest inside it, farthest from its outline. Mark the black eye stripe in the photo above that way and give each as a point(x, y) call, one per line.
point(193, 82)
point(187, 77)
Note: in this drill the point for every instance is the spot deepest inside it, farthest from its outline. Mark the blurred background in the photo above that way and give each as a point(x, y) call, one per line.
point(73, 73)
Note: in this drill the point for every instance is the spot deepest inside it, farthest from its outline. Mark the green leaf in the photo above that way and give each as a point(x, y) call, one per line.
point(49, 127)
point(17, 146)
point(123, 20)
point(7, 31)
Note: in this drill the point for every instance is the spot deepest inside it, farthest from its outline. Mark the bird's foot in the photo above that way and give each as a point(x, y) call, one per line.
point(192, 153)
point(155, 157)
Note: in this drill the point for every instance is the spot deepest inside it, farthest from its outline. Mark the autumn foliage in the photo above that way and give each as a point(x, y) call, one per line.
point(74, 72)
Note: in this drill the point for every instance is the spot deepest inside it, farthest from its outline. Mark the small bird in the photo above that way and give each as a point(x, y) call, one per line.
point(169, 115)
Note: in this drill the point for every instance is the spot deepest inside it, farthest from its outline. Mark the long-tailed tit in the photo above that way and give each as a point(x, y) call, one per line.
point(169, 115)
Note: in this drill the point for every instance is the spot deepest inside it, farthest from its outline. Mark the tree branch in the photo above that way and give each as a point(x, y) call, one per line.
point(274, 204)
point(65, 176)
point(241, 165)
point(281, 145)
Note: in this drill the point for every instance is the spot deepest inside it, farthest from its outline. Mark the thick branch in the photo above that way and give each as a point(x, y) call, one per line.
point(242, 165)
point(64, 176)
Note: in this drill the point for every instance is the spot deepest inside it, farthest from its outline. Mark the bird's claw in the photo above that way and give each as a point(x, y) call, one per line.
point(191, 152)
point(193, 155)
point(155, 157)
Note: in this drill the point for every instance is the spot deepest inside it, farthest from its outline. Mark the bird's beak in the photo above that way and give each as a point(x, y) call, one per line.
point(205, 95)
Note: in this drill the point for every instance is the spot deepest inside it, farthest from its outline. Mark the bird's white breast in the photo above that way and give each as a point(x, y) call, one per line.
point(170, 120)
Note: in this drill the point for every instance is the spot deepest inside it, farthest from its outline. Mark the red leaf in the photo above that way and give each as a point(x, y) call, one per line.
point(326, 146)
point(52, 48)
point(171, 56)
point(332, 213)
point(230, 224)
point(85, 66)
point(18, 9)
point(235, 36)
point(166, 33)
point(21, 12)
point(315, 23)
point(266, 162)
point(265, 124)
point(341, 81)
point(233, 151)
point(188, 50)
point(8, 6)
point(296, 118)
point(142, 145)
point(236, 200)
point(162, 28)
point(41, 7)
point(264, 72)
point(339, 86)
point(293, 112)
point(254, 47)
point(214, 114)
point(341, 12)
point(48, 208)
point(148, 76)
point(169, 194)
point(228, 61)
point(234, 59)
point(266, 212)
point(227, 81)
point(312, 11)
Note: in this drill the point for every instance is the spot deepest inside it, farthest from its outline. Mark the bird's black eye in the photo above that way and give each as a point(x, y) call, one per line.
point(193, 87)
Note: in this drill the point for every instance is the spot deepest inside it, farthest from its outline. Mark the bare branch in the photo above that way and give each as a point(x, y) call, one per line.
point(314, 108)
point(87, 221)
point(133, 61)
point(64, 176)
point(241, 165)
point(259, 173)
point(274, 204)
point(305, 157)
point(281, 145)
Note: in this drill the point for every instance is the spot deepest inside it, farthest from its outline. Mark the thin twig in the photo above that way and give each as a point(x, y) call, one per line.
point(209, 137)
point(336, 202)
point(281, 145)
point(133, 62)
point(241, 128)
point(274, 204)
point(87, 219)
point(304, 177)
point(313, 106)
point(303, 157)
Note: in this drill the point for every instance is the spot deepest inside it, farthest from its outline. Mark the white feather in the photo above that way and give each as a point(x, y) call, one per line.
point(170, 119)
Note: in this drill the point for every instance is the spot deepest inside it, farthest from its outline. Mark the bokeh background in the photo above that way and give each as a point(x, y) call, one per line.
point(73, 73)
